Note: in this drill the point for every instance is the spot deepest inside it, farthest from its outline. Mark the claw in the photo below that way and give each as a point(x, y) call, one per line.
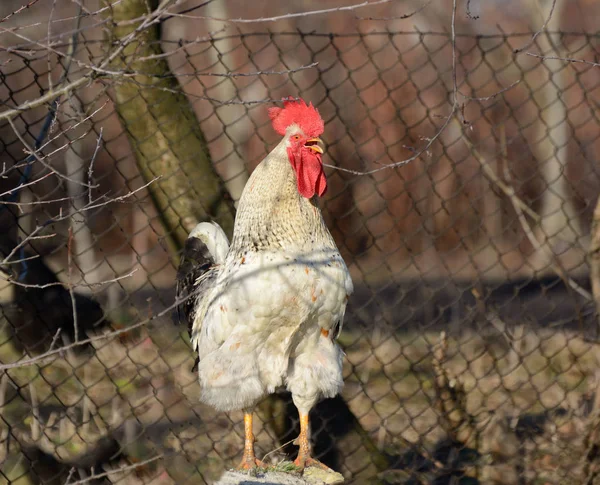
point(303, 462)
point(250, 463)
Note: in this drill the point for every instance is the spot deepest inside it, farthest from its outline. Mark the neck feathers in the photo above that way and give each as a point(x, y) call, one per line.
point(272, 215)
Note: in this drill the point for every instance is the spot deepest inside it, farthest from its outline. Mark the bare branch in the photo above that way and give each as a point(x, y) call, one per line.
point(91, 167)
point(543, 247)
point(287, 16)
point(400, 17)
point(70, 128)
point(121, 469)
point(49, 64)
point(70, 282)
point(256, 73)
point(491, 96)
point(441, 130)
point(535, 35)
point(564, 59)
point(32, 151)
point(51, 355)
point(521, 208)
point(79, 285)
point(21, 186)
point(51, 95)
point(19, 10)
point(491, 175)
point(61, 217)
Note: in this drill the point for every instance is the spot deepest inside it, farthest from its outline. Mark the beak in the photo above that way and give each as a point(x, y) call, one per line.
point(315, 144)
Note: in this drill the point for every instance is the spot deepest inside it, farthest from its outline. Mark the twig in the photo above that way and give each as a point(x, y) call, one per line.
point(491, 175)
point(70, 282)
point(33, 152)
point(521, 208)
point(84, 285)
point(543, 247)
point(233, 75)
point(55, 339)
point(51, 95)
point(453, 42)
point(50, 355)
point(71, 473)
point(544, 25)
point(434, 138)
point(22, 185)
point(564, 59)
point(91, 167)
point(51, 116)
point(85, 402)
point(346, 8)
point(60, 217)
point(48, 97)
point(19, 10)
point(278, 448)
point(50, 49)
point(207, 38)
point(257, 73)
point(120, 469)
point(70, 128)
point(3, 387)
point(48, 63)
point(491, 96)
point(400, 17)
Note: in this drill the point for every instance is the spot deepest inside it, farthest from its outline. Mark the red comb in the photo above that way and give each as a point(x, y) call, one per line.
point(297, 112)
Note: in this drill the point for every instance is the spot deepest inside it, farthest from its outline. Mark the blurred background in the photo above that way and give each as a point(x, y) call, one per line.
point(471, 340)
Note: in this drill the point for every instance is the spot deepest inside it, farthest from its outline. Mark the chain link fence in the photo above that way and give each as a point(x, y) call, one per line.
point(471, 339)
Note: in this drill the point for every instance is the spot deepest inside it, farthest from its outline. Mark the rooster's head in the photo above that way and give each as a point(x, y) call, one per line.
point(301, 126)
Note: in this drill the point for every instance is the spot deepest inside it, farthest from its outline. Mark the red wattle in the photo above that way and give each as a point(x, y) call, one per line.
point(309, 172)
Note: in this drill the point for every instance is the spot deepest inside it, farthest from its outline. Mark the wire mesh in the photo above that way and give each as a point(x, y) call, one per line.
point(470, 341)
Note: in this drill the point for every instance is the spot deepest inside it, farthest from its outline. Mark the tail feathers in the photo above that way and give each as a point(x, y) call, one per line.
point(211, 234)
point(206, 246)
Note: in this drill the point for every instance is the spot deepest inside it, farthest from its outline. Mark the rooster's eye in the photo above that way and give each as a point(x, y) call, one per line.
point(296, 137)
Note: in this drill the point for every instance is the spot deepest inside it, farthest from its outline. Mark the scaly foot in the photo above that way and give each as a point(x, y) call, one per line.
point(304, 459)
point(249, 460)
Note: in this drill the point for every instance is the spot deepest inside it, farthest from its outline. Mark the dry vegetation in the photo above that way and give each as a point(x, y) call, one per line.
point(501, 404)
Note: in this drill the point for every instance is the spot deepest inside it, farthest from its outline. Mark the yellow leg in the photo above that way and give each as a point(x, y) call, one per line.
point(249, 460)
point(304, 453)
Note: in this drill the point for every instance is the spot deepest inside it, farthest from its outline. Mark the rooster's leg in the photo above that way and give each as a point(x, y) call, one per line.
point(304, 454)
point(249, 459)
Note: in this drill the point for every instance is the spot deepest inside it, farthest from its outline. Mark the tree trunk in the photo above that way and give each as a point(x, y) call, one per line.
point(550, 144)
point(163, 130)
point(235, 122)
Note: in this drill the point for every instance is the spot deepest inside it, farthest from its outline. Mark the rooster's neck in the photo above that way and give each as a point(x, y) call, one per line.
point(272, 215)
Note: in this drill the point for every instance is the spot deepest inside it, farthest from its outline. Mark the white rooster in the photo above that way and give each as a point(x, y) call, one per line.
point(265, 310)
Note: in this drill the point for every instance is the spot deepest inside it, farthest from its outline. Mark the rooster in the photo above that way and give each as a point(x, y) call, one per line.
point(266, 310)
